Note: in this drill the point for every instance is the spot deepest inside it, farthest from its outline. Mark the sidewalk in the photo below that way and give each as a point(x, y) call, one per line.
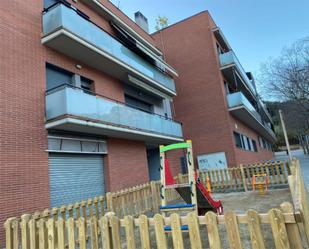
point(304, 162)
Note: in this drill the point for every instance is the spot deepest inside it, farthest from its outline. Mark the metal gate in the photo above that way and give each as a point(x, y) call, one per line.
point(75, 177)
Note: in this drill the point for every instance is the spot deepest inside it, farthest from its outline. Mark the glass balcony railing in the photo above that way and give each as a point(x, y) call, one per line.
point(63, 17)
point(230, 58)
point(71, 101)
point(238, 99)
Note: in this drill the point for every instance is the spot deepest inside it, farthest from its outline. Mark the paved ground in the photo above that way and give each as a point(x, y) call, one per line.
point(304, 162)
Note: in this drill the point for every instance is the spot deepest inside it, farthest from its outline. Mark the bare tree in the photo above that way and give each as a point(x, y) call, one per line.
point(286, 79)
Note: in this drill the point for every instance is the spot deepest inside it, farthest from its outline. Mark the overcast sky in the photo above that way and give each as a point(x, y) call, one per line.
point(256, 30)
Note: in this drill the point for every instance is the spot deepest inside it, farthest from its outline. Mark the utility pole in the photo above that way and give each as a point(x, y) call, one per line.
point(285, 136)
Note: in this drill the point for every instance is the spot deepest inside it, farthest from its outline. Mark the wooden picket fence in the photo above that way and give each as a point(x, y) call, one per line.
point(299, 195)
point(91, 224)
point(240, 178)
point(209, 231)
point(145, 198)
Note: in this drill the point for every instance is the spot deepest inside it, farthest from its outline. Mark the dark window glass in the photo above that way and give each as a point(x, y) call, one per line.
point(264, 144)
point(248, 142)
point(238, 141)
point(137, 103)
point(86, 84)
point(56, 76)
point(254, 146)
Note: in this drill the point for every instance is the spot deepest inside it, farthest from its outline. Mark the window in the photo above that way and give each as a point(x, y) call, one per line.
point(254, 146)
point(238, 141)
point(56, 76)
point(244, 142)
point(248, 142)
point(86, 84)
point(219, 49)
point(264, 144)
point(137, 103)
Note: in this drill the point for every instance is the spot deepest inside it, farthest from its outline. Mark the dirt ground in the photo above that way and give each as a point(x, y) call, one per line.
point(240, 202)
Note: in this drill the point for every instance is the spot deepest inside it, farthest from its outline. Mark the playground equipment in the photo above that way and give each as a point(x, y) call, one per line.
point(195, 195)
point(260, 181)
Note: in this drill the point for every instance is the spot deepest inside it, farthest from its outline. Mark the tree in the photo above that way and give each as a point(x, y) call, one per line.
point(161, 22)
point(286, 79)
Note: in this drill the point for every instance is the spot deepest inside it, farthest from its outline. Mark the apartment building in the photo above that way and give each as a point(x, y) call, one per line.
point(85, 101)
point(217, 101)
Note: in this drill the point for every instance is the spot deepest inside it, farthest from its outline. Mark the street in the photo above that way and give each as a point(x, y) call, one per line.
point(304, 162)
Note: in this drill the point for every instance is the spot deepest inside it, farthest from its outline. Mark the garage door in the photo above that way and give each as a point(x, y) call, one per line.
point(75, 177)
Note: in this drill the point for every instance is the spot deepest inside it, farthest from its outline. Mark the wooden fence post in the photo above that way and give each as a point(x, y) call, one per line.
point(115, 228)
point(254, 225)
point(292, 229)
point(32, 234)
point(25, 231)
point(232, 230)
point(155, 196)
point(61, 234)
point(159, 231)
point(129, 230)
point(93, 224)
point(51, 234)
point(8, 225)
point(194, 231)
point(71, 233)
point(213, 231)
point(42, 234)
point(243, 177)
point(109, 201)
point(144, 231)
point(176, 231)
point(82, 233)
point(105, 231)
point(277, 223)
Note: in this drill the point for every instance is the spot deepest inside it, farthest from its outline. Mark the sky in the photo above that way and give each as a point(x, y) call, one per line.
point(256, 30)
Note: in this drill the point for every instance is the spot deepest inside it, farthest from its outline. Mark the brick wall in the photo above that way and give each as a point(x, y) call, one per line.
point(125, 164)
point(244, 156)
point(24, 183)
point(200, 103)
point(24, 179)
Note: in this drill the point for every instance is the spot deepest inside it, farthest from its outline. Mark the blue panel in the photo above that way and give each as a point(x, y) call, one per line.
point(182, 205)
point(74, 178)
point(169, 228)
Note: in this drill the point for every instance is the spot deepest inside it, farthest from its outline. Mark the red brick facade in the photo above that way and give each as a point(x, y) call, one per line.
point(200, 104)
point(24, 178)
point(126, 164)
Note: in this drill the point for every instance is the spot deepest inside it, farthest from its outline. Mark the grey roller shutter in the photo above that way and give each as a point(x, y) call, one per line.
point(75, 177)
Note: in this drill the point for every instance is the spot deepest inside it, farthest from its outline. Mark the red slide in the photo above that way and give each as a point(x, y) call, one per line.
point(215, 204)
point(203, 197)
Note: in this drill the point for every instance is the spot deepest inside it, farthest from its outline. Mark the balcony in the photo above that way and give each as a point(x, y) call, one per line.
point(241, 108)
point(265, 112)
point(72, 109)
point(229, 62)
point(67, 31)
